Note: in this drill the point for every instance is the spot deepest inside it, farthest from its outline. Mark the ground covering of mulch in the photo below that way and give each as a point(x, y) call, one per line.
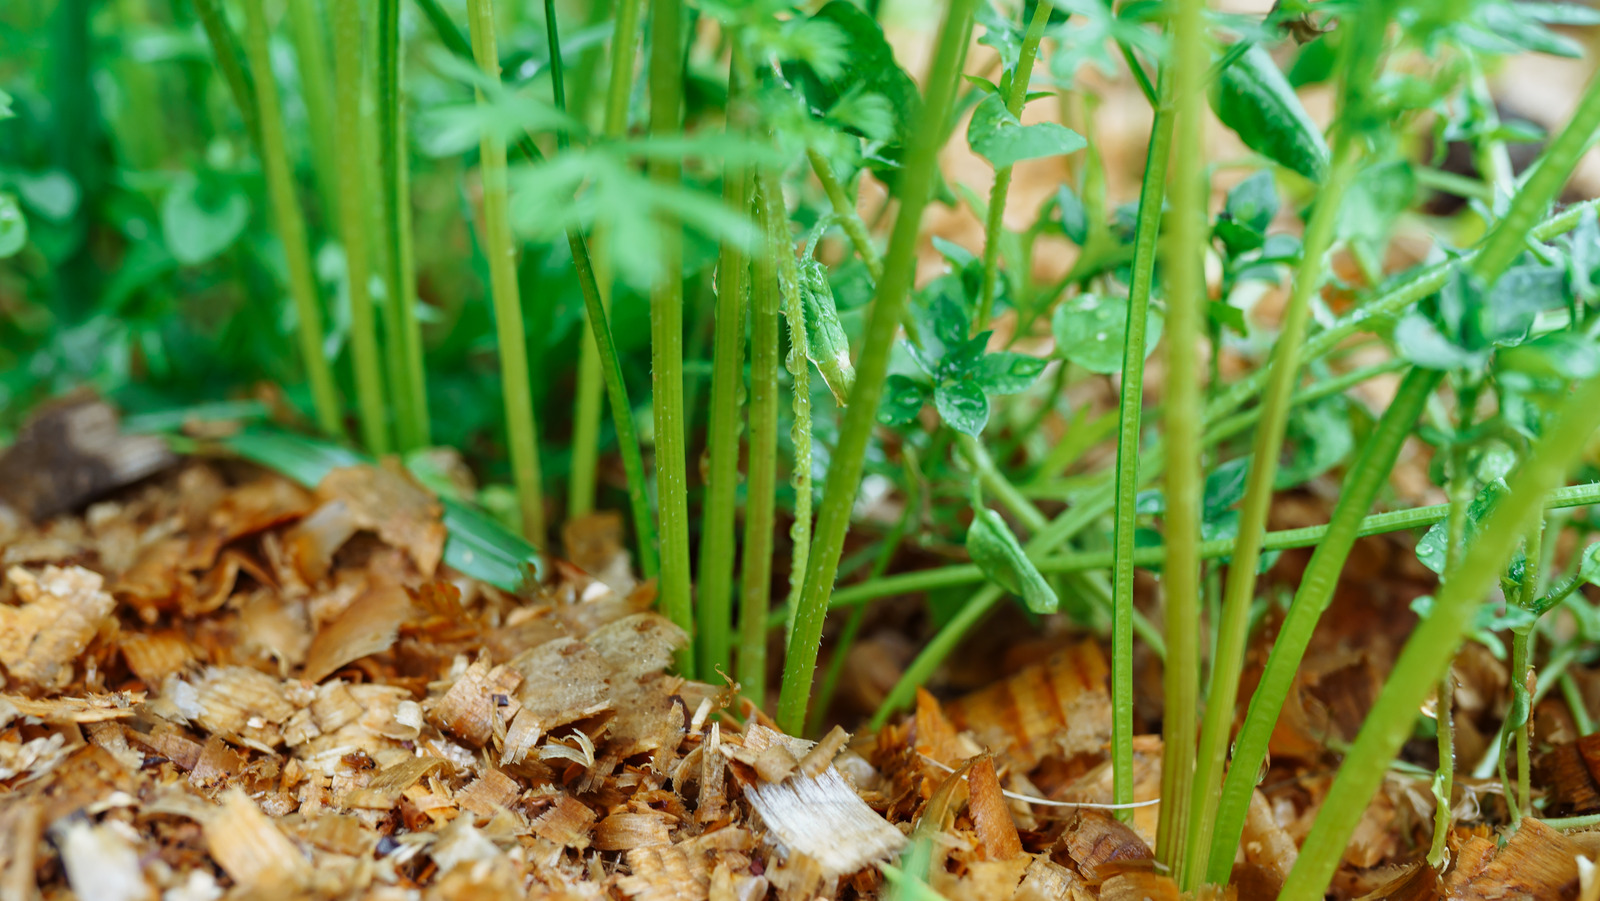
point(218, 684)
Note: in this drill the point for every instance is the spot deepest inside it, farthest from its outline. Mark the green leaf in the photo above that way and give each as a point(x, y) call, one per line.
point(1074, 216)
point(1431, 548)
point(1224, 487)
point(963, 406)
point(5, 106)
point(996, 551)
point(1252, 98)
point(866, 64)
point(1420, 341)
point(826, 345)
point(1090, 330)
point(51, 193)
point(1007, 372)
point(200, 220)
point(965, 359)
point(1242, 224)
point(998, 137)
point(1000, 32)
point(903, 398)
point(13, 227)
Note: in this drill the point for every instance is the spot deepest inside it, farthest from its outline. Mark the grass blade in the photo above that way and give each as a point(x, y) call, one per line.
point(756, 579)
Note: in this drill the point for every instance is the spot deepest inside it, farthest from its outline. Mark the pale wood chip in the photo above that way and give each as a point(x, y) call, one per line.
point(153, 656)
point(383, 792)
point(62, 610)
point(251, 849)
point(245, 703)
point(469, 709)
point(562, 680)
point(820, 757)
point(101, 863)
point(568, 823)
point(1538, 862)
point(387, 500)
point(822, 818)
point(624, 831)
point(1046, 880)
point(368, 626)
point(1139, 886)
point(91, 709)
point(217, 765)
point(637, 645)
point(488, 794)
point(666, 873)
point(1059, 707)
point(775, 763)
point(340, 833)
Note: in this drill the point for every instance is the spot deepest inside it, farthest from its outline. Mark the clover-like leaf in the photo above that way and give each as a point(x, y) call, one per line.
point(1007, 372)
point(996, 551)
point(963, 406)
point(201, 219)
point(1090, 330)
point(903, 398)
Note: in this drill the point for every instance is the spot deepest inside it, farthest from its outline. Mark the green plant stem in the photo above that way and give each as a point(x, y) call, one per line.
point(760, 491)
point(994, 223)
point(1444, 696)
point(757, 578)
point(1239, 589)
point(353, 225)
point(409, 376)
point(1430, 647)
point(521, 429)
point(849, 217)
point(214, 22)
point(780, 243)
point(1366, 476)
point(586, 415)
point(718, 548)
point(1522, 670)
point(311, 61)
point(1186, 303)
point(595, 304)
point(291, 226)
point(1575, 702)
point(1099, 501)
point(872, 366)
point(666, 331)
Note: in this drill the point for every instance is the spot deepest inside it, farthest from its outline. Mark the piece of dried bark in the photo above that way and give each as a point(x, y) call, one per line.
point(72, 451)
point(92, 709)
point(61, 611)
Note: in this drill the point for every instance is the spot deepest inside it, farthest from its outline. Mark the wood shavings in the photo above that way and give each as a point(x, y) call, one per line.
point(62, 610)
point(100, 861)
point(387, 500)
point(1057, 707)
point(92, 709)
point(368, 626)
point(251, 850)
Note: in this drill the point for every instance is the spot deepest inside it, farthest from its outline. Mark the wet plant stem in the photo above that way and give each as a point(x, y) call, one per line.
point(353, 225)
point(591, 369)
point(1522, 673)
point(755, 597)
point(521, 429)
point(1239, 588)
point(291, 225)
point(994, 223)
point(666, 331)
point(872, 367)
point(718, 549)
point(311, 61)
point(1368, 474)
point(849, 217)
point(1428, 651)
point(1186, 302)
point(408, 375)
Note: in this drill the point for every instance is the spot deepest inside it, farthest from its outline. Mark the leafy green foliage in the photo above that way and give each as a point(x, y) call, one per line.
point(201, 217)
point(994, 548)
point(1091, 331)
point(960, 374)
point(13, 227)
point(998, 137)
point(1252, 97)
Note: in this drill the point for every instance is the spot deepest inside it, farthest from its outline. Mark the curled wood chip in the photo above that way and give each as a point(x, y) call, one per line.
point(383, 792)
point(991, 818)
point(1538, 862)
point(314, 540)
point(820, 757)
point(386, 500)
point(1103, 847)
point(568, 823)
point(100, 861)
point(61, 611)
point(368, 626)
point(92, 709)
point(625, 831)
point(822, 818)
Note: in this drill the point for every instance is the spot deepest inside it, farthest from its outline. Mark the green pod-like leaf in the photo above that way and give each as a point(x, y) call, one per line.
point(996, 551)
point(827, 347)
point(1252, 97)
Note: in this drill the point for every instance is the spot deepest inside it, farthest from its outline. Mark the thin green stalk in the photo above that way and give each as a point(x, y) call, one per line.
point(1147, 231)
point(1521, 671)
point(311, 60)
point(1099, 501)
point(353, 225)
point(666, 331)
point(407, 379)
point(215, 24)
point(291, 227)
point(718, 547)
point(1180, 577)
point(872, 367)
point(1460, 489)
point(1575, 703)
point(1366, 476)
point(994, 222)
point(849, 216)
point(586, 416)
point(521, 429)
point(1239, 589)
point(1430, 647)
point(756, 579)
point(595, 304)
point(1444, 776)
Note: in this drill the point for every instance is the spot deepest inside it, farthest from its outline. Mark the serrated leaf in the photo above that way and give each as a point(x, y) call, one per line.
point(200, 220)
point(1090, 330)
point(963, 406)
point(1007, 372)
point(996, 551)
point(903, 398)
point(1252, 98)
point(13, 227)
point(998, 137)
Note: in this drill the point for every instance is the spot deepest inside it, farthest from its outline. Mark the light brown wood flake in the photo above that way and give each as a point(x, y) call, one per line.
point(1538, 862)
point(368, 626)
point(387, 500)
point(991, 817)
point(251, 849)
point(61, 611)
point(568, 823)
point(384, 790)
point(1057, 707)
point(100, 860)
point(488, 794)
point(91, 709)
point(153, 656)
point(623, 831)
